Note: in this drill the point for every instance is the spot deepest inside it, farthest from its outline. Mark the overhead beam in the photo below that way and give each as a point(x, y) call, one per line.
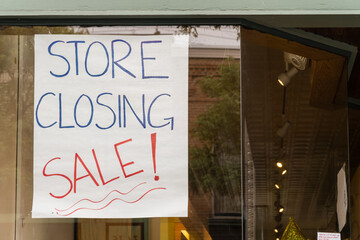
point(325, 81)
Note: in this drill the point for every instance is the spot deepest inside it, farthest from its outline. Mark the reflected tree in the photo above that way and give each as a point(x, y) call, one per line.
point(191, 30)
point(16, 62)
point(215, 160)
point(11, 49)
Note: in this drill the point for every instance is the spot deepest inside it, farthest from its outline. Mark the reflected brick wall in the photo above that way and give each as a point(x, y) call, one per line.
point(201, 204)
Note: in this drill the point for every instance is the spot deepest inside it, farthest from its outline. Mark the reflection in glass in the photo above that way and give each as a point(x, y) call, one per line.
point(295, 136)
point(214, 120)
point(8, 131)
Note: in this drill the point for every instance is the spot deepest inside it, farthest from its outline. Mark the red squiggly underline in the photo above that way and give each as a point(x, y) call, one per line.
point(85, 199)
point(96, 209)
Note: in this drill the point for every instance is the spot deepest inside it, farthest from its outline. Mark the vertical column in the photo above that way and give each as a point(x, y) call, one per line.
point(8, 130)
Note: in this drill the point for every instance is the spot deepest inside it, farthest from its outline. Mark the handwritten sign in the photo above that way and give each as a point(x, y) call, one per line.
point(110, 126)
point(328, 236)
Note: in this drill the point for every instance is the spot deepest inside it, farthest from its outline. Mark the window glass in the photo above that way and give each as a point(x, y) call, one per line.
point(295, 138)
point(8, 132)
point(214, 140)
point(260, 170)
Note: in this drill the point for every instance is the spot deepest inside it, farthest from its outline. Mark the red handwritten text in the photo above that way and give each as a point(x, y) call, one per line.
point(79, 163)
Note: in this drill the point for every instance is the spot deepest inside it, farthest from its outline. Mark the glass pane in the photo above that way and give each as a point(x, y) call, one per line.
point(295, 137)
point(26, 226)
point(214, 142)
point(8, 132)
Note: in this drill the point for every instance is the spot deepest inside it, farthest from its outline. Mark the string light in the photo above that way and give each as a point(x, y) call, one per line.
point(284, 172)
point(277, 186)
point(281, 209)
point(279, 164)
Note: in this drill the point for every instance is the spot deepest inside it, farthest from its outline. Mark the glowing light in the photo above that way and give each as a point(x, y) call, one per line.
point(185, 234)
point(277, 186)
point(279, 164)
point(284, 78)
point(281, 210)
point(284, 172)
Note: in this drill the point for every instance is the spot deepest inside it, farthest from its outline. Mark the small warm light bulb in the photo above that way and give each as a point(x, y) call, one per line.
point(279, 164)
point(284, 78)
point(277, 239)
point(275, 230)
point(186, 234)
point(284, 172)
point(281, 210)
point(277, 186)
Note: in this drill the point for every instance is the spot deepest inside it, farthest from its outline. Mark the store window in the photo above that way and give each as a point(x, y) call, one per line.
point(233, 148)
point(295, 139)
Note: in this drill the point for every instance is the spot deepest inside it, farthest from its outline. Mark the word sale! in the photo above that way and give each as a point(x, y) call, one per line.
point(70, 183)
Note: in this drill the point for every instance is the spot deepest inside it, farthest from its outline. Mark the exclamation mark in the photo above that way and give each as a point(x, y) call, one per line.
point(153, 147)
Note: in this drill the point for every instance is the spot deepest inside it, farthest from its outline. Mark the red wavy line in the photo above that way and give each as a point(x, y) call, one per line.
point(85, 199)
point(111, 202)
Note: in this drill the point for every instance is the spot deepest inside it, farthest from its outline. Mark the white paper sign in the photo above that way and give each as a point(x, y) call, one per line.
point(110, 126)
point(328, 236)
point(342, 200)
